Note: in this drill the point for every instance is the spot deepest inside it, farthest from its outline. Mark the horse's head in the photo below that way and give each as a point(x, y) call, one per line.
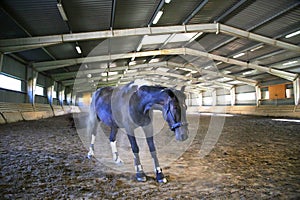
point(174, 112)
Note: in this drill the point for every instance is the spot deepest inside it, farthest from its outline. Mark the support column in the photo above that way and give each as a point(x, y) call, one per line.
point(73, 99)
point(201, 99)
point(1, 61)
point(232, 96)
point(214, 97)
point(258, 95)
point(61, 96)
point(31, 86)
point(296, 88)
point(50, 90)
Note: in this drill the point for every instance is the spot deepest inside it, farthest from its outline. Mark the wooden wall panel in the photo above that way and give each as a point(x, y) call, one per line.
point(277, 91)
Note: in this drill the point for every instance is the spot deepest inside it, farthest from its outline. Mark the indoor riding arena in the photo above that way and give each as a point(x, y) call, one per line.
point(150, 99)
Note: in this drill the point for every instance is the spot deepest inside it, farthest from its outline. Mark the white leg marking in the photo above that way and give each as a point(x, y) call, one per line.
point(115, 153)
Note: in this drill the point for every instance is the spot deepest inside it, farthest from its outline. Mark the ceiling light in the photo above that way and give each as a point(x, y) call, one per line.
point(62, 11)
point(256, 48)
point(139, 47)
point(195, 36)
point(290, 62)
point(132, 63)
point(249, 72)
point(157, 17)
point(207, 67)
point(78, 49)
point(109, 73)
point(89, 75)
point(293, 34)
point(154, 60)
point(167, 1)
point(238, 55)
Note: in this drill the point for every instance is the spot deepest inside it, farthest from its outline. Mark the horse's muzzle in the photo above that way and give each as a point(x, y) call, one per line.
point(181, 133)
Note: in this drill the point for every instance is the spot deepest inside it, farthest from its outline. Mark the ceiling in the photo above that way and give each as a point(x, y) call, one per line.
point(202, 44)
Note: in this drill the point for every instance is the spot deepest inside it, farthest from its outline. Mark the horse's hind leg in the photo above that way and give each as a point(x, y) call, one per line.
point(113, 145)
point(92, 130)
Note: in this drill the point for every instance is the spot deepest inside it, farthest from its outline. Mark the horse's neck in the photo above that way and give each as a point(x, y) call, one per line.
point(141, 103)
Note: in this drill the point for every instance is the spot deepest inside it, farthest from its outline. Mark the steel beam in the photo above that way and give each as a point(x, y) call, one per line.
point(43, 66)
point(18, 44)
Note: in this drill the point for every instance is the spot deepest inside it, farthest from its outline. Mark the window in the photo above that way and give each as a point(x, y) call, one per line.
point(54, 95)
point(39, 90)
point(246, 96)
point(10, 83)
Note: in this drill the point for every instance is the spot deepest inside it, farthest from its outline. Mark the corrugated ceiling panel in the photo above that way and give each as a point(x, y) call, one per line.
point(211, 10)
point(257, 12)
point(63, 51)
point(282, 24)
point(172, 15)
point(134, 14)
point(209, 41)
point(88, 15)
point(37, 17)
point(9, 28)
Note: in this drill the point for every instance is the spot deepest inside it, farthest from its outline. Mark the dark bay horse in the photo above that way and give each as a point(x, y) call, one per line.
point(131, 106)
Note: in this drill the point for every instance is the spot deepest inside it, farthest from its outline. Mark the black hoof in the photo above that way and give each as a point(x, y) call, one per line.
point(160, 178)
point(141, 177)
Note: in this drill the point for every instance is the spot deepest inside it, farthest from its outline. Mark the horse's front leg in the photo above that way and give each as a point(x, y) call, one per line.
point(113, 145)
point(157, 169)
point(140, 175)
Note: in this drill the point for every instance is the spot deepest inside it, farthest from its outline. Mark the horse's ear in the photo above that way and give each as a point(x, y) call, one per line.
point(182, 88)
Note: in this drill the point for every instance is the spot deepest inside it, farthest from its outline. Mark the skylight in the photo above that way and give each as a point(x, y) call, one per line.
point(161, 39)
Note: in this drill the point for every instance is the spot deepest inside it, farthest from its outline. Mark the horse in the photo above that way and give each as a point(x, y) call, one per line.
point(131, 106)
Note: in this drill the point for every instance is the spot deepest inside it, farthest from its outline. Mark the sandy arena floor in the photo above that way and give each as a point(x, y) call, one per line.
point(255, 158)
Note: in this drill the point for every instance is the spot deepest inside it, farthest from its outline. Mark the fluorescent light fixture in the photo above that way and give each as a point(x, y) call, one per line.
point(290, 62)
point(293, 34)
point(109, 73)
point(287, 120)
point(78, 49)
point(154, 60)
point(157, 17)
point(133, 58)
point(249, 72)
point(139, 47)
point(195, 37)
point(62, 11)
point(132, 63)
point(167, 1)
point(238, 55)
point(256, 48)
point(207, 67)
point(219, 63)
point(89, 75)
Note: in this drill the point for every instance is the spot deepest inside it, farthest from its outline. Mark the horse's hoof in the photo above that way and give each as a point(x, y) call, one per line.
point(160, 177)
point(119, 162)
point(141, 177)
point(164, 180)
point(89, 156)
